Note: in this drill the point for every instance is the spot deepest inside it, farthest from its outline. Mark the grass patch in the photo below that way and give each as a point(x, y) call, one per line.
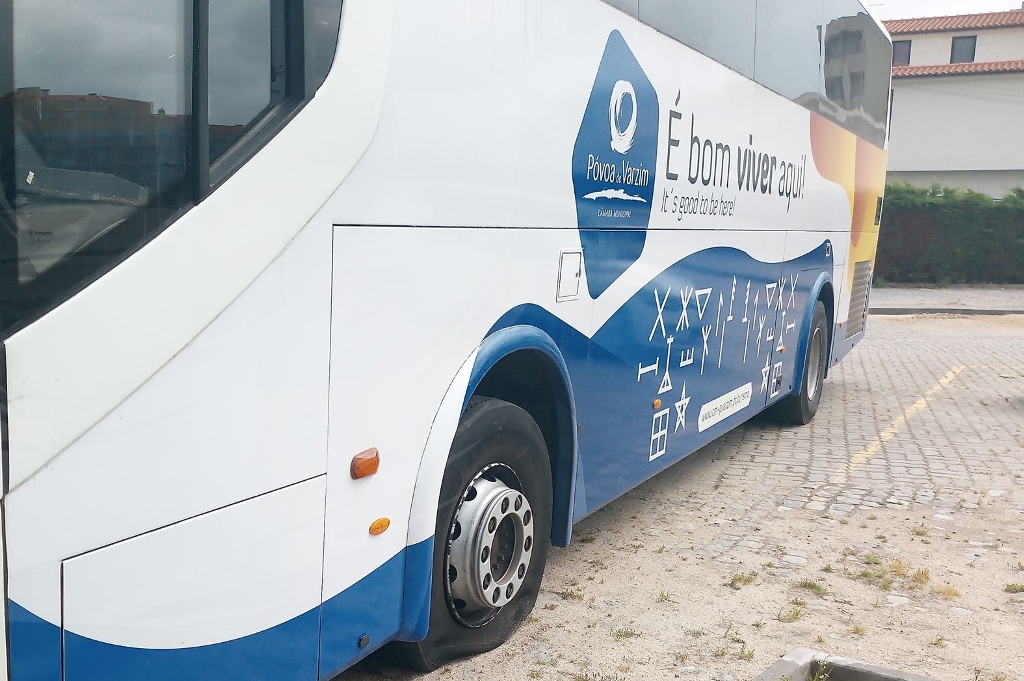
point(721, 651)
point(551, 606)
point(899, 567)
point(828, 568)
point(745, 653)
point(872, 559)
point(697, 633)
point(939, 642)
point(920, 578)
point(625, 633)
point(817, 587)
point(588, 539)
point(741, 579)
point(948, 592)
point(1014, 588)
point(570, 595)
point(791, 615)
point(920, 531)
point(858, 630)
point(798, 602)
point(666, 596)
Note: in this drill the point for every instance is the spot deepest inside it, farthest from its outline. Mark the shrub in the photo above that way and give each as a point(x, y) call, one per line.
point(943, 236)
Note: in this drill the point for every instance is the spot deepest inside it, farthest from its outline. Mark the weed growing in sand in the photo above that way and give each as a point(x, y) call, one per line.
point(624, 633)
point(817, 587)
point(741, 579)
point(570, 595)
point(948, 592)
point(1014, 588)
point(791, 615)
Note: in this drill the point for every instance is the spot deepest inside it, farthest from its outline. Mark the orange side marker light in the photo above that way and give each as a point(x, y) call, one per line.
point(380, 526)
point(365, 464)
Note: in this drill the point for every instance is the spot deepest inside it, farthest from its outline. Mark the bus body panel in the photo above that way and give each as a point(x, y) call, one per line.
point(238, 413)
point(135, 318)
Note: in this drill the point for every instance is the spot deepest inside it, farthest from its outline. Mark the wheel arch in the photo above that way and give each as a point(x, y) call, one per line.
point(823, 291)
point(491, 370)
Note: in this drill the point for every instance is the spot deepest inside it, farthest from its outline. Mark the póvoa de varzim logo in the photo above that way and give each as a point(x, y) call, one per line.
point(613, 165)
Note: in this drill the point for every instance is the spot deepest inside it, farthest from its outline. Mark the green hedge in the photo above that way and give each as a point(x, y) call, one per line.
point(950, 236)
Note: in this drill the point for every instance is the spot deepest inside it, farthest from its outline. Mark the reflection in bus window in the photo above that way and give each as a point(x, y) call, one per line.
point(101, 122)
point(244, 81)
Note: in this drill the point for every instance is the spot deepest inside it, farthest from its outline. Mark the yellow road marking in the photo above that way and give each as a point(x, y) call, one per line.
point(864, 455)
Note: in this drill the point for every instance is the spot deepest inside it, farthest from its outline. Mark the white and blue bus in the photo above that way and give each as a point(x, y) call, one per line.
point(323, 320)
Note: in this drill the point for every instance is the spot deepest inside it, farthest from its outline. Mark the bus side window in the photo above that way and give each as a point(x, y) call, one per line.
point(246, 67)
point(788, 55)
point(723, 29)
point(856, 69)
point(630, 7)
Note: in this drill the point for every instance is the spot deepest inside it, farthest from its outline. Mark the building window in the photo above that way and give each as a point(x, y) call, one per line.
point(963, 49)
point(901, 53)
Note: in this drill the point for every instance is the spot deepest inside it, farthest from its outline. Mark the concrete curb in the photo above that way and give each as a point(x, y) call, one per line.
point(799, 664)
point(938, 310)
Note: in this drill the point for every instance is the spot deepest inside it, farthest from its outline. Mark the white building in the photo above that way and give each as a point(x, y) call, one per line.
point(958, 101)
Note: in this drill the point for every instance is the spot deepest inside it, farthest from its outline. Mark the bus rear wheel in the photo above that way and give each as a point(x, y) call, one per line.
point(492, 534)
point(800, 407)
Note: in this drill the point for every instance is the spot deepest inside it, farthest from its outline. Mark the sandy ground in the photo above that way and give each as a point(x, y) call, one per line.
point(751, 546)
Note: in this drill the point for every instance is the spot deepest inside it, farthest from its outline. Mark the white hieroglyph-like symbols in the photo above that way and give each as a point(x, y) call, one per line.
point(749, 321)
point(760, 330)
point(703, 296)
point(769, 293)
point(732, 299)
point(685, 294)
point(641, 369)
point(782, 290)
point(681, 405)
point(746, 304)
point(782, 335)
point(776, 379)
point(660, 321)
point(792, 290)
point(659, 434)
point(686, 358)
point(718, 319)
point(721, 344)
point(666, 380)
point(705, 332)
point(765, 374)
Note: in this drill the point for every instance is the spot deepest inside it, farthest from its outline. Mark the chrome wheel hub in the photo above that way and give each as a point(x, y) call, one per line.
point(490, 544)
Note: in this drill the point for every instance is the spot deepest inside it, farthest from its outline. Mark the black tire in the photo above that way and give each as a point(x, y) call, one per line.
point(799, 408)
point(496, 443)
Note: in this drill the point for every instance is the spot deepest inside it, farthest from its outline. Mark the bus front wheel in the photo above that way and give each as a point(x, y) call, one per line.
point(492, 534)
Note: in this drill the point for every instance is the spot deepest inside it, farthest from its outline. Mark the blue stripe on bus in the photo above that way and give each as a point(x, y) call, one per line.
point(629, 409)
point(291, 650)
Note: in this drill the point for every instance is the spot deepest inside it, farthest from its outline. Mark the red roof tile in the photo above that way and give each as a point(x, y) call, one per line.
point(959, 22)
point(1014, 66)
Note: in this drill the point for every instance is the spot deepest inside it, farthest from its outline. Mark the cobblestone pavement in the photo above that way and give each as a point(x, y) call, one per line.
point(890, 530)
point(952, 297)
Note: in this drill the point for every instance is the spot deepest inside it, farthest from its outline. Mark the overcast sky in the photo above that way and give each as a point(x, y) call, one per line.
point(911, 9)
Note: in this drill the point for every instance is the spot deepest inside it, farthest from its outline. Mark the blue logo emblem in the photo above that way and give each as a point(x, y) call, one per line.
point(613, 165)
